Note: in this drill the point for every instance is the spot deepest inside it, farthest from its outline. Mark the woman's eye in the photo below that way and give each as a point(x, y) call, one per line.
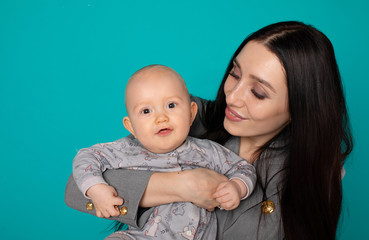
point(145, 111)
point(235, 72)
point(258, 95)
point(234, 75)
point(172, 105)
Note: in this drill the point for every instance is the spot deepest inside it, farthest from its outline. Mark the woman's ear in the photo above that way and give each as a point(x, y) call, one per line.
point(128, 125)
point(193, 109)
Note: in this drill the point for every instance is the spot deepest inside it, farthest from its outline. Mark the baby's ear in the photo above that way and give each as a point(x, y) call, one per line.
point(128, 125)
point(193, 110)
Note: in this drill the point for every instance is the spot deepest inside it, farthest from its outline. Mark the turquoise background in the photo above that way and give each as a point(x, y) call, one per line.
point(64, 65)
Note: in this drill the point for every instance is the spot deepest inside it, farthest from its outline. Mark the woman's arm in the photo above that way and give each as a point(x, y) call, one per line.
point(130, 185)
point(196, 186)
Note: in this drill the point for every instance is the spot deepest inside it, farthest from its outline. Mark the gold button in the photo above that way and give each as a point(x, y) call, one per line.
point(90, 206)
point(123, 210)
point(267, 207)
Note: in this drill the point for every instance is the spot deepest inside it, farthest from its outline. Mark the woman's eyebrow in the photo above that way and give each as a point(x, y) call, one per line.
point(262, 81)
point(236, 62)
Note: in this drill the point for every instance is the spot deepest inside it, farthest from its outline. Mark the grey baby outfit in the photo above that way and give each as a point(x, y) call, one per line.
point(180, 220)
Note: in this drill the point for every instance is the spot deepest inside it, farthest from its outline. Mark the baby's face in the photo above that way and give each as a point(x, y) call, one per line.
point(159, 111)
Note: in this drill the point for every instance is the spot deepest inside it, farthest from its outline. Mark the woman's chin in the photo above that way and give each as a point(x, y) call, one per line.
point(230, 127)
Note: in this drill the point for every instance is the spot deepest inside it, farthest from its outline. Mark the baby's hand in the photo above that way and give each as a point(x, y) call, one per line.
point(228, 195)
point(105, 200)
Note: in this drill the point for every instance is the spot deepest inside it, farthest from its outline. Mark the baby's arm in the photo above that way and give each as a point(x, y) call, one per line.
point(229, 193)
point(241, 174)
point(88, 166)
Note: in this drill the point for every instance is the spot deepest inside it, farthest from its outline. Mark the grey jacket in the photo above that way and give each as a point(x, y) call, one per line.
point(251, 220)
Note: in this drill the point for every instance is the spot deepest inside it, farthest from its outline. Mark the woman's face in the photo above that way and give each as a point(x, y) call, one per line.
point(256, 95)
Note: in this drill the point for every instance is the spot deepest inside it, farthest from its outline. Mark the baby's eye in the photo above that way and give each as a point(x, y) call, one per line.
point(172, 105)
point(146, 111)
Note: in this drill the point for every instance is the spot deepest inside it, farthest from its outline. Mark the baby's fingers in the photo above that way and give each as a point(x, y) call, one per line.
point(113, 211)
point(228, 202)
point(99, 213)
point(220, 192)
point(117, 201)
point(223, 199)
point(229, 205)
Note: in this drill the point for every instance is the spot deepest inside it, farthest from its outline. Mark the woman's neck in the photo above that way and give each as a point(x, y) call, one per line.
point(248, 148)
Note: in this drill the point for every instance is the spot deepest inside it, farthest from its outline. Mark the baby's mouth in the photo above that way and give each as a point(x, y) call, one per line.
point(164, 131)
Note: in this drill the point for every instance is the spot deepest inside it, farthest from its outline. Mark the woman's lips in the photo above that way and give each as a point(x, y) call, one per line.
point(233, 116)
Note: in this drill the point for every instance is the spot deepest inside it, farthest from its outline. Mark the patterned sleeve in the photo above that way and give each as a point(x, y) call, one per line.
point(233, 166)
point(90, 163)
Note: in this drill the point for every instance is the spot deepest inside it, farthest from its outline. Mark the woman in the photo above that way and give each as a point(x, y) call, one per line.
point(281, 107)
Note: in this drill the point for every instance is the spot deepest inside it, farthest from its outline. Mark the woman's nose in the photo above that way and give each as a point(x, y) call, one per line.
point(236, 95)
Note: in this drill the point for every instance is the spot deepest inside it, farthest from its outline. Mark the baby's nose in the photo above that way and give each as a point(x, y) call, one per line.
point(161, 118)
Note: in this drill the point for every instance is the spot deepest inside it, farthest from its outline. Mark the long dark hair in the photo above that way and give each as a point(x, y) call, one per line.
point(319, 133)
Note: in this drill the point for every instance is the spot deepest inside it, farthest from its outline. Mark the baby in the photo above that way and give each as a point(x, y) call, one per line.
point(160, 115)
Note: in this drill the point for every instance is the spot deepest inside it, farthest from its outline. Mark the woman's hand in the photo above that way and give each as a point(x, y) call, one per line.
point(196, 186)
point(200, 185)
